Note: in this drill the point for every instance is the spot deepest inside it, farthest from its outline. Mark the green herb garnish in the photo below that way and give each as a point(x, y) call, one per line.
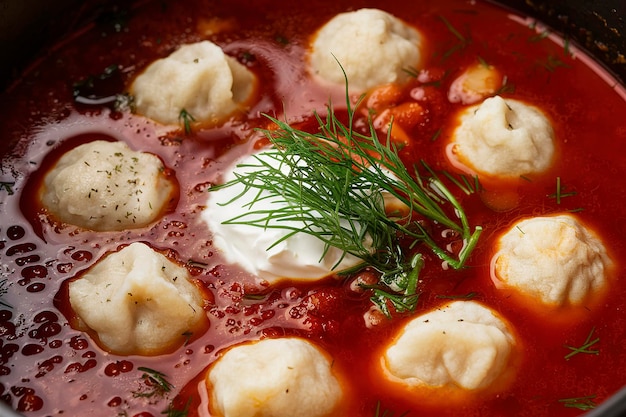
point(398, 289)
point(156, 380)
point(386, 413)
point(170, 411)
point(7, 186)
point(196, 264)
point(552, 63)
point(539, 36)
point(463, 41)
point(411, 71)
point(586, 346)
point(333, 183)
point(560, 192)
point(186, 119)
point(582, 403)
point(468, 296)
point(436, 135)
point(506, 87)
point(464, 183)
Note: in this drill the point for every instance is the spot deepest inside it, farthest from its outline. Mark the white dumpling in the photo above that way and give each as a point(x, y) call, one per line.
point(463, 344)
point(107, 186)
point(503, 138)
point(555, 260)
point(137, 301)
point(300, 257)
point(373, 47)
point(274, 378)
point(198, 78)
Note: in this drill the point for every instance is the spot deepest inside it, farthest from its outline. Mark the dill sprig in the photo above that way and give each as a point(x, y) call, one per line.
point(332, 184)
point(560, 192)
point(158, 382)
point(582, 403)
point(585, 348)
point(398, 288)
point(7, 186)
point(468, 296)
point(186, 119)
point(463, 41)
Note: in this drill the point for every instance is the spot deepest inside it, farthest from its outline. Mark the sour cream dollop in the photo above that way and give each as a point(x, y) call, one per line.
point(300, 256)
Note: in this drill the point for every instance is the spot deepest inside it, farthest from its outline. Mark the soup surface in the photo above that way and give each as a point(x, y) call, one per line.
point(49, 367)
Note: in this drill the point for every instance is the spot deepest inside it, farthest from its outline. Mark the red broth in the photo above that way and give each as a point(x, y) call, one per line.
point(49, 368)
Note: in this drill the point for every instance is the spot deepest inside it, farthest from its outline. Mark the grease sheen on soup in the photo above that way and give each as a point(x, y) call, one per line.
point(48, 367)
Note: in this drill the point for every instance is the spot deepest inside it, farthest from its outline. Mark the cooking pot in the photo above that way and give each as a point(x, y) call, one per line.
point(28, 28)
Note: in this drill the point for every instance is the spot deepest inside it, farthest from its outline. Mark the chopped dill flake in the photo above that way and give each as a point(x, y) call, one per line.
point(539, 36)
point(560, 192)
point(386, 413)
point(552, 63)
point(170, 411)
point(411, 71)
point(7, 186)
point(186, 119)
point(436, 135)
point(581, 403)
point(156, 381)
point(196, 264)
point(463, 41)
point(567, 50)
point(576, 210)
point(254, 297)
point(282, 40)
point(506, 87)
point(466, 185)
point(585, 348)
point(468, 296)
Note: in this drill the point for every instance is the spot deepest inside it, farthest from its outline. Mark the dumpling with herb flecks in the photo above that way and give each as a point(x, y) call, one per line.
point(272, 378)
point(553, 260)
point(198, 79)
point(503, 138)
point(462, 344)
point(107, 186)
point(137, 302)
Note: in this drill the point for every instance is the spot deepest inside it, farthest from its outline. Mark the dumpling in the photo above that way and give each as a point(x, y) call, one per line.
point(137, 302)
point(197, 78)
point(300, 257)
point(372, 46)
point(462, 344)
point(503, 138)
point(555, 260)
point(274, 378)
point(106, 186)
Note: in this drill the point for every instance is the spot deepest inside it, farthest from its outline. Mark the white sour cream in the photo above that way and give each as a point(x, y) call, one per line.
point(300, 256)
